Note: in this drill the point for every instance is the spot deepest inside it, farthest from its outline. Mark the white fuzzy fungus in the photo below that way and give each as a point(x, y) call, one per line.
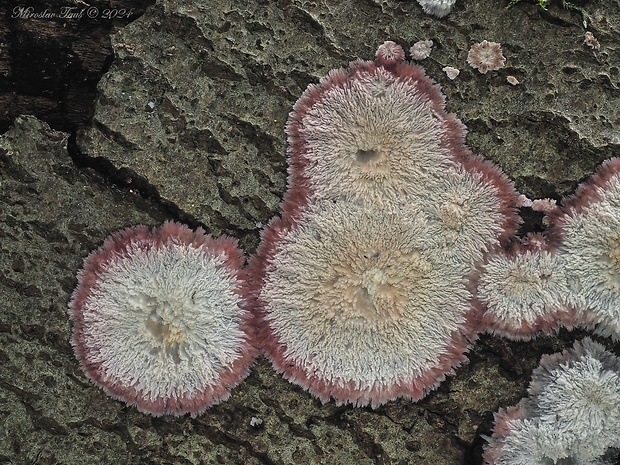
point(421, 49)
point(591, 248)
point(522, 289)
point(572, 415)
point(163, 320)
point(358, 299)
point(439, 8)
point(374, 139)
point(469, 211)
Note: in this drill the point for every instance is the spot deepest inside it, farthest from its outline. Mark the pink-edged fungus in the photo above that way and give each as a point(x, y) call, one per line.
point(361, 289)
point(157, 319)
point(486, 56)
point(572, 414)
point(389, 54)
point(588, 225)
point(474, 207)
point(421, 49)
point(523, 290)
point(354, 304)
point(372, 133)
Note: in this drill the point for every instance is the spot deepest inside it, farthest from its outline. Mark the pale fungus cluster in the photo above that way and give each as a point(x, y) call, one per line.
point(572, 414)
point(395, 246)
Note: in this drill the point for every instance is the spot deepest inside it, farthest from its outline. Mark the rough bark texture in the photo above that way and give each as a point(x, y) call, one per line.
point(191, 116)
point(51, 59)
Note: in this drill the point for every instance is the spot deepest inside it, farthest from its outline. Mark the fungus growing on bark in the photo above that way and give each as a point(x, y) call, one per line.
point(439, 8)
point(486, 56)
point(389, 54)
point(571, 416)
point(353, 303)
point(421, 49)
point(591, 41)
point(588, 225)
point(372, 133)
point(157, 320)
point(361, 287)
point(451, 72)
point(474, 206)
point(524, 290)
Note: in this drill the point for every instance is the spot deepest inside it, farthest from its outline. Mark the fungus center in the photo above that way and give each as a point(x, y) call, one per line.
point(613, 263)
point(378, 288)
point(452, 214)
point(614, 253)
point(366, 156)
point(522, 280)
point(167, 332)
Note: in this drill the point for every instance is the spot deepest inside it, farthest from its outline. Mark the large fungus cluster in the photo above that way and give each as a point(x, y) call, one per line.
point(395, 246)
point(361, 288)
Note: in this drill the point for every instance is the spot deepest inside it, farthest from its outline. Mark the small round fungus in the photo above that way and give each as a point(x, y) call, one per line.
point(421, 49)
point(451, 72)
point(439, 8)
point(524, 291)
point(486, 56)
point(389, 53)
point(157, 319)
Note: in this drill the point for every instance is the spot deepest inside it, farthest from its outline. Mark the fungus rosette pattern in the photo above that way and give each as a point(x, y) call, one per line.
point(361, 288)
point(524, 290)
point(571, 416)
point(486, 56)
point(588, 225)
point(473, 205)
point(158, 321)
point(354, 305)
point(376, 132)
